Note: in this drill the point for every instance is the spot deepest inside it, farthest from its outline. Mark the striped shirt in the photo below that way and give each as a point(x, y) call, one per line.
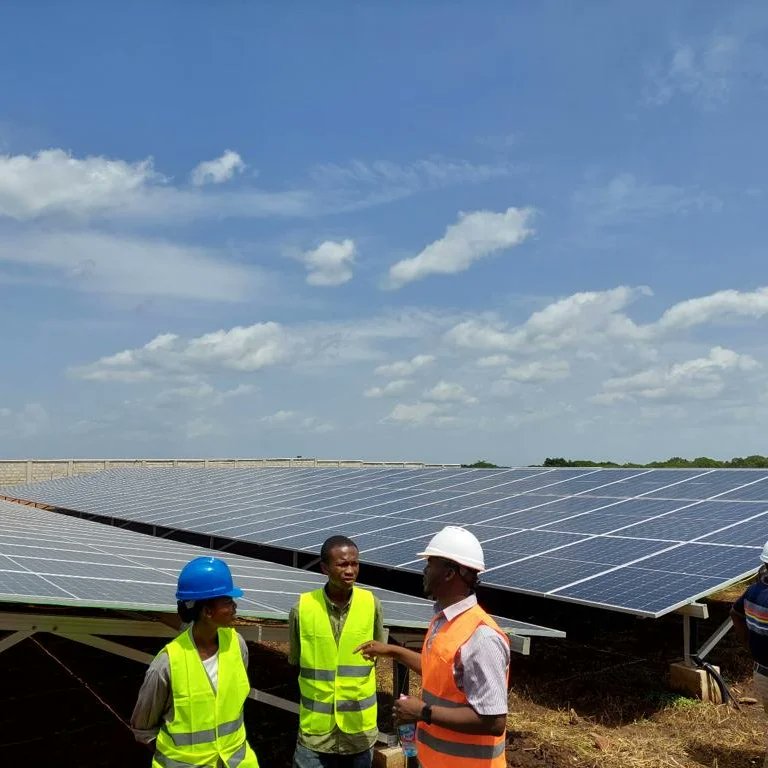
point(480, 665)
point(753, 606)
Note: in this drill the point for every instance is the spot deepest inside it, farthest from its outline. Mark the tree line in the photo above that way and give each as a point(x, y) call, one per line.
point(676, 462)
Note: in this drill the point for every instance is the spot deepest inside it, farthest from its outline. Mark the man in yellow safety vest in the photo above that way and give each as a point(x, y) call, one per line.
point(337, 717)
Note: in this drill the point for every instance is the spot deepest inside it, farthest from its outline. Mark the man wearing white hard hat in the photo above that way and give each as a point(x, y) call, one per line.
point(750, 620)
point(464, 663)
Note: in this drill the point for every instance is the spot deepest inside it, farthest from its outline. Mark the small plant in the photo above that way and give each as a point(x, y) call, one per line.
point(669, 700)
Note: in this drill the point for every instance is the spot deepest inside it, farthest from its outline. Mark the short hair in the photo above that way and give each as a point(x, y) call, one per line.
point(332, 543)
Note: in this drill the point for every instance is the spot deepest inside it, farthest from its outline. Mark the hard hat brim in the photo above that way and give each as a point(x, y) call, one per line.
point(436, 553)
point(210, 595)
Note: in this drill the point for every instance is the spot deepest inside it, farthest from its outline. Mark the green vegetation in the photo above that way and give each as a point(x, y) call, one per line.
point(481, 464)
point(676, 462)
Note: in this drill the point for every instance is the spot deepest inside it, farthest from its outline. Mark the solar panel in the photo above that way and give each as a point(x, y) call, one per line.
point(569, 534)
point(54, 559)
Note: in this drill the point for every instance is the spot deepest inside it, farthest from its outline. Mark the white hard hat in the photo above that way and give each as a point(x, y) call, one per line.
point(764, 553)
point(457, 544)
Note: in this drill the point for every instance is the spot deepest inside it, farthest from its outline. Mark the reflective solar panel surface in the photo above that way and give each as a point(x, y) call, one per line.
point(53, 559)
point(637, 540)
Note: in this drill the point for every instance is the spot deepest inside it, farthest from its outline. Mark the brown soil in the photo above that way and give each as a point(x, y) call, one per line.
point(597, 698)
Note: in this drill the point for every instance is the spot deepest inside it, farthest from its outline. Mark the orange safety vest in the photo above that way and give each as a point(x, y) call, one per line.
point(440, 747)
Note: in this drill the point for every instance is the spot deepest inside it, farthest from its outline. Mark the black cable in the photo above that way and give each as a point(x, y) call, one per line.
point(725, 692)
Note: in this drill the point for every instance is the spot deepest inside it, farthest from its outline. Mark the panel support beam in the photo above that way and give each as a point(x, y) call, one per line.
point(15, 637)
point(714, 638)
point(696, 610)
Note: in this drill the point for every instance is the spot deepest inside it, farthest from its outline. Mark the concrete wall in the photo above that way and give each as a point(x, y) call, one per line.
point(17, 471)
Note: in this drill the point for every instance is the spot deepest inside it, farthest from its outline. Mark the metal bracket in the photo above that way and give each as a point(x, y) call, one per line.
point(695, 610)
point(714, 638)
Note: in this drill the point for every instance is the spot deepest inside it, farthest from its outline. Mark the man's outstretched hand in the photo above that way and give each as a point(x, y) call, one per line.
point(373, 649)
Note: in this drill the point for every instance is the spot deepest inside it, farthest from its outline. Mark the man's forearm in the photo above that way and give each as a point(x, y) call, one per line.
point(411, 659)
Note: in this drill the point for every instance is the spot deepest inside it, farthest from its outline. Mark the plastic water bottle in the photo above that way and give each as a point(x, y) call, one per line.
point(407, 734)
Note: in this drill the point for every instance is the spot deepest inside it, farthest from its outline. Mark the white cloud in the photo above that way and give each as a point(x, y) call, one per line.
point(493, 361)
point(420, 414)
point(405, 367)
point(539, 371)
point(700, 378)
point(716, 306)
point(203, 393)
point(52, 181)
point(585, 318)
point(126, 265)
point(330, 263)
point(263, 345)
point(245, 349)
point(55, 183)
point(391, 389)
point(449, 392)
point(475, 236)
point(295, 421)
point(219, 170)
point(703, 72)
point(280, 417)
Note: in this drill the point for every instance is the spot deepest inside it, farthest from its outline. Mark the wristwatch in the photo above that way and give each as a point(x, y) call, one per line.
point(426, 714)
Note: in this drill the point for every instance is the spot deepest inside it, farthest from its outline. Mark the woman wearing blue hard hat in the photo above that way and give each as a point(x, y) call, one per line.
point(191, 702)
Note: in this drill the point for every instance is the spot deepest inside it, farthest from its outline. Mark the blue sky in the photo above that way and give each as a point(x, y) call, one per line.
point(433, 231)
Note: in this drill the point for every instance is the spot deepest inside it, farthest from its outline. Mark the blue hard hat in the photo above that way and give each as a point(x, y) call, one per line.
point(204, 578)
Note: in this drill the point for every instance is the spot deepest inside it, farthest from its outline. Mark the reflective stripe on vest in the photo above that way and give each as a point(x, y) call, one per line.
point(337, 687)
point(440, 747)
point(207, 725)
point(457, 749)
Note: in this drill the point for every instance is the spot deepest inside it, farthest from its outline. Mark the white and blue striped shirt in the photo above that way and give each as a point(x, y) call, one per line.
point(480, 666)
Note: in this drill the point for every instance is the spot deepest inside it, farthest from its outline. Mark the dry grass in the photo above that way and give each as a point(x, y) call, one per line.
point(590, 704)
point(685, 733)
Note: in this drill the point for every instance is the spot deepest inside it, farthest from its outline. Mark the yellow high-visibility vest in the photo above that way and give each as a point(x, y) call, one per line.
point(337, 686)
point(207, 726)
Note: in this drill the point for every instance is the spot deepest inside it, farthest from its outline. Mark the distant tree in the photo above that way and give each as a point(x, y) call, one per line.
point(750, 462)
point(481, 464)
point(559, 462)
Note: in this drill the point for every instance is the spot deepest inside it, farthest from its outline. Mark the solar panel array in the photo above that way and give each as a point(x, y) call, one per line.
point(56, 560)
point(635, 540)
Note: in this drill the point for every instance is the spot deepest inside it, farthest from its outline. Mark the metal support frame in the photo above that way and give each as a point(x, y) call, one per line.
point(690, 614)
point(86, 630)
point(714, 638)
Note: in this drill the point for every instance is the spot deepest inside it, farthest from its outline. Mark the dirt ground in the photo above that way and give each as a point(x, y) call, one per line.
point(598, 698)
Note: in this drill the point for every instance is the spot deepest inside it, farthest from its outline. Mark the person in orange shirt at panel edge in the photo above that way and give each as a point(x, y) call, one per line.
point(337, 711)
point(464, 663)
